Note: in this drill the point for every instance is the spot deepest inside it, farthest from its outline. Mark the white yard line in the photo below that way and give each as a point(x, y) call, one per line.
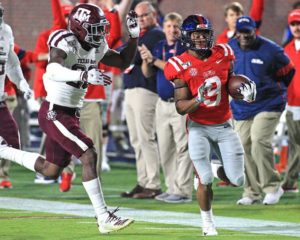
point(165, 217)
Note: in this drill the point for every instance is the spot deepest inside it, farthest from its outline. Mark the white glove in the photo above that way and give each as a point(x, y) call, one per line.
point(132, 24)
point(24, 87)
point(96, 77)
point(202, 91)
point(248, 91)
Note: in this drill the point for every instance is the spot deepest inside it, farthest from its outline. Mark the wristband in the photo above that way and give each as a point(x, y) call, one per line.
point(84, 76)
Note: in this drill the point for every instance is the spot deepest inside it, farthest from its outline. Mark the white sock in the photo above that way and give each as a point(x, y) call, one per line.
point(104, 157)
point(26, 159)
point(207, 217)
point(94, 191)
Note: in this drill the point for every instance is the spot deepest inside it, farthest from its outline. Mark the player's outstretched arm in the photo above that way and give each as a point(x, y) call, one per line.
point(15, 74)
point(124, 58)
point(55, 71)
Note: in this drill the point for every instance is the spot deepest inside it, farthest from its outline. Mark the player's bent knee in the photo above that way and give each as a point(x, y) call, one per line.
point(238, 181)
point(206, 179)
point(89, 157)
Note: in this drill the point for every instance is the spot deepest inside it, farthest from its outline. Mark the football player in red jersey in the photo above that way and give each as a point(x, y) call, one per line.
point(74, 56)
point(200, 77)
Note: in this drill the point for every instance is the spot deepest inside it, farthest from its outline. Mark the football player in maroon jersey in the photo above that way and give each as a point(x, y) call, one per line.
point(74, 56)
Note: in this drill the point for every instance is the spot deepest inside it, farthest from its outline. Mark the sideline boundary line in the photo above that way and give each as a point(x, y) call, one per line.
point(155, 216)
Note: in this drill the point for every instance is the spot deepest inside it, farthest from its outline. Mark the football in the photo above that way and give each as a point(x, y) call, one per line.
point(234, 83)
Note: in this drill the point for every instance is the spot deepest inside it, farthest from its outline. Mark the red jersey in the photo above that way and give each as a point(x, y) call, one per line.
point(293, 93)
point(214, 71)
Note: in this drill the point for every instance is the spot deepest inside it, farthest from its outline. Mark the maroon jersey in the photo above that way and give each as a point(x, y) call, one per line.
point(214, 72)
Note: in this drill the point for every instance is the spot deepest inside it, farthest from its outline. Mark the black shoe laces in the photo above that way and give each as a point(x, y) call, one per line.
point(112, 217)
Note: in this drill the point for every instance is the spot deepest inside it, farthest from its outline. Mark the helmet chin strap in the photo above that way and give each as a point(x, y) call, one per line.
point(86, 46)
point(203, 53)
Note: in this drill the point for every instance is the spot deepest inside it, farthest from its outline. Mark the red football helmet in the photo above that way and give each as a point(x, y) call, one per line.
point(88, 23)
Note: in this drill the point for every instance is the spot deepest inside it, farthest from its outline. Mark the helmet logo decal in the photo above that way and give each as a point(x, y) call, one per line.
point(202, 25)
point(82, 15)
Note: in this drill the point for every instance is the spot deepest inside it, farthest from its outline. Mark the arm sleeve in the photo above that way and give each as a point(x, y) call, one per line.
point(41, 47)
point(14, 71)
point(285, 69)
point(172, 69)
point(56, 72)
point(256, 11)
point(115, 28)
point(157, 51)
point(58, 18)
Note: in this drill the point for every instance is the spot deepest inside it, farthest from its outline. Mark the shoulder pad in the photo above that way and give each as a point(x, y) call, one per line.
point(8, 33)
point(174, 67)
point(62, 39)
point(224, 50)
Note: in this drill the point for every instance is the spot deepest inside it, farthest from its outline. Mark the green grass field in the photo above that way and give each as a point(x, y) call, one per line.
point(31, 225)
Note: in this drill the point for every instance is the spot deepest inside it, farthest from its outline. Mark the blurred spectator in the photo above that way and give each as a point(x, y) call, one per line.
point(140, 102)
point(10, 66)
point(170, 126)
point(265, 63)
point(17, 106)
point(287, 34)
point(234, 10)
point(292, 49)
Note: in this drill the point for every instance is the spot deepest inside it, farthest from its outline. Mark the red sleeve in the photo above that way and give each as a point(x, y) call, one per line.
point(256, 11)
point(58, 18)
point(224, 51)
point(42, 47)
point(222, 38)
point(9, 87)
point(172, 69)
point(31, 57)
point(115, 28)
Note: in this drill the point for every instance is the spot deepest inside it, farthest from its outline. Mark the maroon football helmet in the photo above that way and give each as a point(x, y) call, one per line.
point(88, 23)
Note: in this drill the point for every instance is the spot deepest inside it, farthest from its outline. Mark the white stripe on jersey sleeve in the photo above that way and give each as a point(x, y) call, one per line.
point(184, 66)
point(61, 39)
point(174, 64)
point(230, 50)
point(225, 49)
point(53, 37)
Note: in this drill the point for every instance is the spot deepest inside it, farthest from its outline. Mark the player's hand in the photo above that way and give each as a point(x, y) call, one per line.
point(96, 77)
point(132, 24)
point(145, 53)
point(202, 92)
point(24, 87)
point(248, 91)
